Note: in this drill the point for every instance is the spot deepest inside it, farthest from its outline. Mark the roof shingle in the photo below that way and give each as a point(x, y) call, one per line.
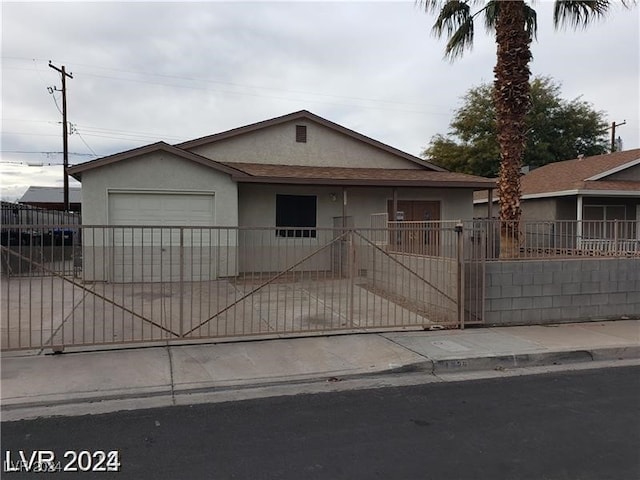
point(573, 174)
point(355, 176)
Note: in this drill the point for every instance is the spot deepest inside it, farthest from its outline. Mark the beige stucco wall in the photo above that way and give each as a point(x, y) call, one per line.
point(247, 205)
point(160, 172)
point(262, 250)
point(539, 209)
point(157, 172)
point(257, 204)
point(324, 147)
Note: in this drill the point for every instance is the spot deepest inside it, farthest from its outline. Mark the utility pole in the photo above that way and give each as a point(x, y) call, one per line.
point(65, 146)
point(613, 134)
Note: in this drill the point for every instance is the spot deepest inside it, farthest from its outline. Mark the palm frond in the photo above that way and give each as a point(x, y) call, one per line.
point(435, 5)
point(531, 21)
point(491, 12)
point(429, 5)
point(578, 13)
point(452, 16)
point(460, 40)
point(456, 22)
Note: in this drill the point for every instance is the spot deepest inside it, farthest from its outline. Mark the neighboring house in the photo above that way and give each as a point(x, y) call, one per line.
point(587, 196)
point(52, 198)
point(297, 172)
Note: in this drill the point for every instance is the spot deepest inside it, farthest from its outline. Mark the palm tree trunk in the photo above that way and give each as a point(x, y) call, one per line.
point(512, 104)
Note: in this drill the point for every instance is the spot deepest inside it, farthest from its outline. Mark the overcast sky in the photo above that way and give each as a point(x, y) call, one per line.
point(144, 72)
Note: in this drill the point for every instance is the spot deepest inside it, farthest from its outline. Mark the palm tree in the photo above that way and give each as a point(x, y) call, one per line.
point(515, 24)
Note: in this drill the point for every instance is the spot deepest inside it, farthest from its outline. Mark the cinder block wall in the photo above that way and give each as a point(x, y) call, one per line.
point(548, 291)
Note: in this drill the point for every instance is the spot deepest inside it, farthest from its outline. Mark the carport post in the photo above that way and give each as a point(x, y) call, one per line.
point(460, 255)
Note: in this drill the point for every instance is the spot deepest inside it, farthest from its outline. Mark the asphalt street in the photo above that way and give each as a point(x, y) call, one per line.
point(572, 425)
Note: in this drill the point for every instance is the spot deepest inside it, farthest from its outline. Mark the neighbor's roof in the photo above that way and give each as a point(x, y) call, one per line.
point(579, 175)
point(268, 173)
point(50, 195)
point(306, 115)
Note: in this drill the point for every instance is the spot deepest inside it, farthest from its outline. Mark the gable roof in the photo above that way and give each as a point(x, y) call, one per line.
point(77, 170)
point(579, 175)
point(427, 176)
point(294, 174)
point(306, 115)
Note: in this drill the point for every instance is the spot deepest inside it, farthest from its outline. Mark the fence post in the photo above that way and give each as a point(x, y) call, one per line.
point(351, 258)
point(461, 283)
point(181, 280)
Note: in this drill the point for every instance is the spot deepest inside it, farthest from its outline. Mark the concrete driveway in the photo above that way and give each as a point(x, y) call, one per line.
point(51, 311)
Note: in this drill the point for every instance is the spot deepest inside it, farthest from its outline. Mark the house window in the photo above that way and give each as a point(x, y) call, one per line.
point(599, 221)
point(296, 216)
point(301, 133)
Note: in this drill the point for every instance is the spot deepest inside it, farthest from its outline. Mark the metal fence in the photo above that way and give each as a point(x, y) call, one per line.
point(75, 285)
point(116, 285)
point(554, 239)
point(20, 214)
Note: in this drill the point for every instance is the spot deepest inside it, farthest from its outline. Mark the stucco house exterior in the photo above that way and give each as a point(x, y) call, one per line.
point(293, 174)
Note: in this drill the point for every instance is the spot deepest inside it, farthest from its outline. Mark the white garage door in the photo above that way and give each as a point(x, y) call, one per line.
point(167, 209)
point(167, 253)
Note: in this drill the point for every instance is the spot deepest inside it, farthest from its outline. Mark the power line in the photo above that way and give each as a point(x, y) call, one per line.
point(53, 91)
point(429, 107)
point(87, 129)
point(31, 134)
point(30, 152)
point(288, 99)
point(74, 129)
point(31, 164)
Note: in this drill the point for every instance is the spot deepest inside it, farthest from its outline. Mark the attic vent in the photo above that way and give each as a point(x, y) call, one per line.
point(301, 133)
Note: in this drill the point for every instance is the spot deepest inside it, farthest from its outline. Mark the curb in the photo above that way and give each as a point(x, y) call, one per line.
point(177, 390)
point(520, 360)
point(428, 366)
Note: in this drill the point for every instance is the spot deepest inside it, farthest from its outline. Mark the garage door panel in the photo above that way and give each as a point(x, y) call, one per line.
point(166, 254)
point(161, 209)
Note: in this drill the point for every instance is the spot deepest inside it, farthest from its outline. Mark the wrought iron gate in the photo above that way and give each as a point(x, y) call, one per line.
point(154, 284)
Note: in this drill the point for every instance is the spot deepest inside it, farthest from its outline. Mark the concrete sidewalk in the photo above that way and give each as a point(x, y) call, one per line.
point(109, 380)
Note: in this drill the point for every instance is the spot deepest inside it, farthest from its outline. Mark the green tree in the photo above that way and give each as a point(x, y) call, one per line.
point(515, 24)
point(557, 130)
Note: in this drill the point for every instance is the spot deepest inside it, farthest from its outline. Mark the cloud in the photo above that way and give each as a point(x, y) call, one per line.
point(144, 72)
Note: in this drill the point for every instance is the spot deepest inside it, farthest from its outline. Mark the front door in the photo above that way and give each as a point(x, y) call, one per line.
point(421, 233)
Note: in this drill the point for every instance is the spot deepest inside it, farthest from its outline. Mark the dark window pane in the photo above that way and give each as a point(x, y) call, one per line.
point(296, 211)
